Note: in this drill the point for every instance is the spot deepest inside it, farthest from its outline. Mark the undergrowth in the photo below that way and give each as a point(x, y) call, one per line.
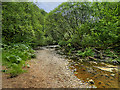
point(108, 54)
point(14, 57)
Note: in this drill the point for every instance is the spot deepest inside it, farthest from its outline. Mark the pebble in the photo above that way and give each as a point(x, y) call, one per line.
point(87, 78)
point(75, 70)
point(91, 81)
point(101, 75)
point(33, 76)
point(99, 83)
point(106, 76)
point(107, 84)
point(96, 77)
point(103, 86)
point(83, 69)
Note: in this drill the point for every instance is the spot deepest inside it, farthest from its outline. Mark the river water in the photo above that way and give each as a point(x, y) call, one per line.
point(103, 75)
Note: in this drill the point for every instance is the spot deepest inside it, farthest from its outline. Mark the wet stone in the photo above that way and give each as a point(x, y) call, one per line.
point(107, 76)
point(91, 81)
point(94, 73)
point(99, 83)
point(33, 76)
point(87, 78)
point(101, 75)
point(107, 84)
point(83, 69)
point(103, 86)
point(96, 77)
point(89, 72)
point(112, 75)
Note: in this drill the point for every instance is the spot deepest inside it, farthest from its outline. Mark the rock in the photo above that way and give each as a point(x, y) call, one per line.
point(91, 81)
point(106, 75)
point(83, 69)
point(111, 66)
point(87, 78)
point(80, 60)
point(33, 76)
point(96, 77)
point(107, 84)
point(94, 86)
point(101, 75)
point(69, 60)
point(93, 62)
point(105, 69)
point(94, 73)
point(112, 75)
point(75, 70)
point(103, 86)
point(99, 83)
point(115, 62)
point(89, 71)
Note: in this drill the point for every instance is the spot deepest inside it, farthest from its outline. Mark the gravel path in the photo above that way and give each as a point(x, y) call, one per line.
point(48, 70)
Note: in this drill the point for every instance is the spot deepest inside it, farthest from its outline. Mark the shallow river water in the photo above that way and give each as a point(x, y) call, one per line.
point(102, 75)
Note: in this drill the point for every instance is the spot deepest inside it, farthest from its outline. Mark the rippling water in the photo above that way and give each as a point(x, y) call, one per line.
point(103, 75)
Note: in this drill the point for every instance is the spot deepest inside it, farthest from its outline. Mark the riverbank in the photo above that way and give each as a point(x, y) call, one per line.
point(104, 73)
point(48, 70)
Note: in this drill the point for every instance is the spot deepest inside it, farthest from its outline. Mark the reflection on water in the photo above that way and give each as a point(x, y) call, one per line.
point(103, 75)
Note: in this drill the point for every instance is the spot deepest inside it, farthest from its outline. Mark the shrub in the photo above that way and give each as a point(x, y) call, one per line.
point(86, 52)
point(14, 57)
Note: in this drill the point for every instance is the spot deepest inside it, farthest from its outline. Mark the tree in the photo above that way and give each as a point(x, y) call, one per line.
point(22, 22)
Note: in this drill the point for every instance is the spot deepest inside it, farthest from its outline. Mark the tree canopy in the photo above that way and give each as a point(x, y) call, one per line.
point(22, 22)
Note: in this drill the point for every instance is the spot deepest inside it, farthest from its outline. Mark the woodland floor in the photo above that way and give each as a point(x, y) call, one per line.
point(47, 70)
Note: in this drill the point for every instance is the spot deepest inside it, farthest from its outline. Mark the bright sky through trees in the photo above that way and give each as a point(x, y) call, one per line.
point(48, 6)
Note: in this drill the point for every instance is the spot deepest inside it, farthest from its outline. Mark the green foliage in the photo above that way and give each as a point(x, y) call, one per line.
point(86, 52)
point(22, 22)
point(62, 43)
point(14, 57)
point(85, 24)
point(70, 51)
point(15, 69)
point(111, 53)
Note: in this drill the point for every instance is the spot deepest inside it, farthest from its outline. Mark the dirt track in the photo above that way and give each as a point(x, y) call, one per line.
point(48, 70)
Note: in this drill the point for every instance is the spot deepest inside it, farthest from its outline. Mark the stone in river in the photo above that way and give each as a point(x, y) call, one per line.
point(91, 81)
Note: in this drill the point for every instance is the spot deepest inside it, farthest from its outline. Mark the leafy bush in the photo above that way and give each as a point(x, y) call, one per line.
point(22, 22)
point(86, 52)
point(62, 43)
point(14, 57)
point(16, 69)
